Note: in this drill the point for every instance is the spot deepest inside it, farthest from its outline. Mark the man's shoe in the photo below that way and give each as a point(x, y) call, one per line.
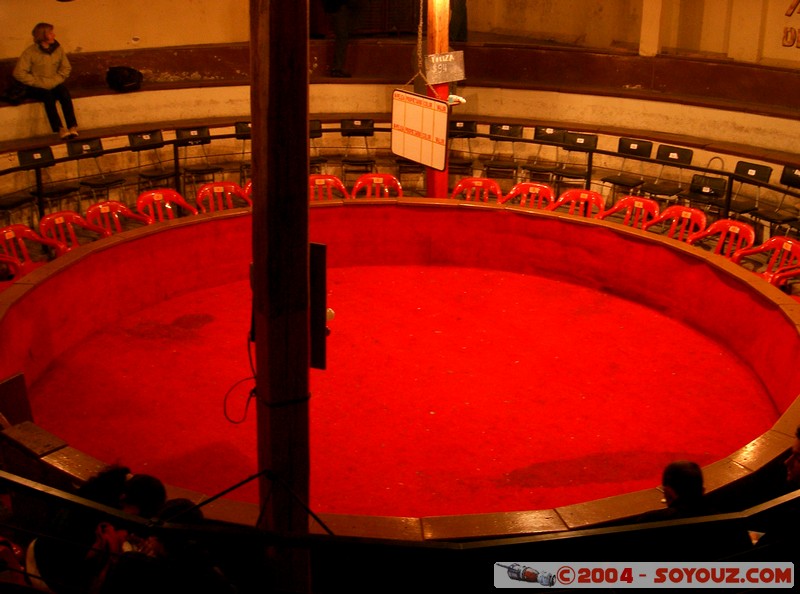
point(63, 133)
point(73, 132)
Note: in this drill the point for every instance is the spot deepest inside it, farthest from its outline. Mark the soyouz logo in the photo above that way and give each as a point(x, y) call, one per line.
point(644, 575)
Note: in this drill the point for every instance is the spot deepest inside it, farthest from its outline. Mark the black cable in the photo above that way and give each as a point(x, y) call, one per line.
point(272, 477)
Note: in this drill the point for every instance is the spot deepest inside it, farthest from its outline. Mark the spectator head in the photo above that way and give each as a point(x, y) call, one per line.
point(41, 32)
point(143, 495)
point(683, 482)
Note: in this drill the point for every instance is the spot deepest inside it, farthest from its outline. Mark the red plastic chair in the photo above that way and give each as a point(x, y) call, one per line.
point(732, 236)
point(783, 258)
point(10, 271)
point(637, 209)
point(162, 205)
point(477, 188)
point(66, 226)
point(580, 202)
point(782, 277)
point(536, 195)
point(323, 187)
point(223, 195)
point(18, 241)
point(683, 221)
point(110, 215)
point(248, 189)
point(377, 185)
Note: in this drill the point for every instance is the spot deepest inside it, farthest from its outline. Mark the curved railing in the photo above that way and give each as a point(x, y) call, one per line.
point(48, 311)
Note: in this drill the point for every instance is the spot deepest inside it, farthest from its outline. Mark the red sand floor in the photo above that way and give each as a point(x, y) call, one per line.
point(448, 390)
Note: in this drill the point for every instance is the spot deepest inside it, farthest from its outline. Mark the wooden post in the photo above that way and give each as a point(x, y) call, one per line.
point(438, 43)
point(279, 116)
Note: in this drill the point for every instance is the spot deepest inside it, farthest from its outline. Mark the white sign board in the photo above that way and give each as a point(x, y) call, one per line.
point(419, 128)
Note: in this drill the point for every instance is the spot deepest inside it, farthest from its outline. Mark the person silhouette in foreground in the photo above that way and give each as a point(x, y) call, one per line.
point(684, 493)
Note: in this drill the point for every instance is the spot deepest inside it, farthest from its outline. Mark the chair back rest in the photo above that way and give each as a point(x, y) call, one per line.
point(581, 202)
point(193, 136)
point(634, 147)
point(13, 243)
point(638, 211)
point(784, 253)
point(358, 127)
point(142, 141)
point(547, 135)
point(709, 185)
point(578, 146)
point(326, 187)
point(315, 128)
point(790, 176)
point(504, 133)
point(674, 155)
point(580, 141)
point(753, 171)
point(151, 140)
point(462, 129)
point(107, 215)
point(683, 221)
point(477, 189)
point(223, 195)
point(10, 270)
point(60, 226)
point(84, 147)
point(377, 185)
point(530, 194)
point(732, 235)
point(242, 130)
point(162, 204)
point(34, 158)
point(314, 131)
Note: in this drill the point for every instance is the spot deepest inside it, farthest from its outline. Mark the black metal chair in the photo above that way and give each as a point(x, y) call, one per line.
point(47, 196)
point(774, 214)
point(665, 188)
point(156, 172)
point(575, 170)
point(624, 180)
point(357, 161)
point(196, 169)
point(95, 179)
point(502, 164)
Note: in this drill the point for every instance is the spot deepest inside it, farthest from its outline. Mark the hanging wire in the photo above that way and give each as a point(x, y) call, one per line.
point(420, 67)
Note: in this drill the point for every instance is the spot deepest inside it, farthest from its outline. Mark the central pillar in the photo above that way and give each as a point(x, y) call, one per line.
point(279, 118)
point(438, 43)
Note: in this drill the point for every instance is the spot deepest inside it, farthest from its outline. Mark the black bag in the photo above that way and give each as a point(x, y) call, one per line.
point(124, 79)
